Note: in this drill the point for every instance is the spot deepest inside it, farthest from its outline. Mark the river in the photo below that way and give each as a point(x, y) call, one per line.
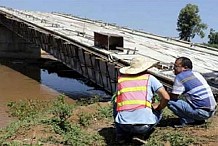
point(42, 79)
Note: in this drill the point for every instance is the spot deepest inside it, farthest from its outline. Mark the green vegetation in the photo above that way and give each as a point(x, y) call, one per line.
point(105, 112)
point(27, 110)
point(174, 138)
point(189, 23)
point(56, 122)
point(213, 38)
point(178, 139)
point(85, 119)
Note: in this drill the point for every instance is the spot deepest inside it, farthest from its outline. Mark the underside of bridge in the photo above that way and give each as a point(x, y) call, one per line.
point(14, 46)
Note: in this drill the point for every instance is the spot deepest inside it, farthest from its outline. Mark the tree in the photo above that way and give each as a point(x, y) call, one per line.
point(189, 23)
point(213, 37)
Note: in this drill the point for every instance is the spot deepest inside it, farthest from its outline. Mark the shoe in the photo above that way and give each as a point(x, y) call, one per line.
point(181, 125)
point(120, 139)
point(196, 122)
point(123, 139)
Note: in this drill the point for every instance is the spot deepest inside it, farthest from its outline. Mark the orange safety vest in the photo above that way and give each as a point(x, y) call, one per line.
point(132, 92)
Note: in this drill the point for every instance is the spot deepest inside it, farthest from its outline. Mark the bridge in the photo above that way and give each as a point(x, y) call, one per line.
point(97, 49)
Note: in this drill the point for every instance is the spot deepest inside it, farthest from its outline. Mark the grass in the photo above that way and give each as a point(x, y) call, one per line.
point(85, 119)
point(178, 139)
point(59, 126)
point(174, 138)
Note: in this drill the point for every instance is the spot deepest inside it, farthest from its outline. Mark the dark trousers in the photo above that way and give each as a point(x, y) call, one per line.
point(127, 131)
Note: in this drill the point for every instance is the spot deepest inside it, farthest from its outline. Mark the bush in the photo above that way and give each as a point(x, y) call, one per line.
point(26, 109)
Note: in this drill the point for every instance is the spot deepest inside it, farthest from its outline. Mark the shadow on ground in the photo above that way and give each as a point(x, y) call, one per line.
point(109, 135)
point(168, 122)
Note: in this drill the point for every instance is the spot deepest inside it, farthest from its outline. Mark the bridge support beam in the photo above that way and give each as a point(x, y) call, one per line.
point(13, 46)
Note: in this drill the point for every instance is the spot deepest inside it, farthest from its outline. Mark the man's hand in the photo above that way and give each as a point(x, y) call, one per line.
point(155, 105)
point(164, 98)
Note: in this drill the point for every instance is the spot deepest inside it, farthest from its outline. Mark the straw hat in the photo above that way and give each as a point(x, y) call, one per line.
point(137, 65)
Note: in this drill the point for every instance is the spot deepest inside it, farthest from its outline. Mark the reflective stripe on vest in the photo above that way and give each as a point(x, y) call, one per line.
point(122, 79)
point(132, 92)
point(132, 89)
point(129, 102)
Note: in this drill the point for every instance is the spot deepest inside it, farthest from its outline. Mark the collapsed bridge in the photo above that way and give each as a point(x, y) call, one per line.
point(96, 49)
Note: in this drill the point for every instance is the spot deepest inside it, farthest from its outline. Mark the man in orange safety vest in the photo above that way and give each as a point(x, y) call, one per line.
point(134, 111)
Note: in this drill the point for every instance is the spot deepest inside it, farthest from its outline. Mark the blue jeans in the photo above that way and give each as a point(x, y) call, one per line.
point(127, 131)
point(186, 112)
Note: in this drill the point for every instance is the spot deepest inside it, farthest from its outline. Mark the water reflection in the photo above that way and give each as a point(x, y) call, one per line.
point(74, 88)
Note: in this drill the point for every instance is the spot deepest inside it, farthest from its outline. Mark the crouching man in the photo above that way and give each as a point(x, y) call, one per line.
point(197, 102)
point(134, 112)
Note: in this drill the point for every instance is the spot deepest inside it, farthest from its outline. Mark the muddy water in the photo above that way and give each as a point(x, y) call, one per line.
point(22, 80)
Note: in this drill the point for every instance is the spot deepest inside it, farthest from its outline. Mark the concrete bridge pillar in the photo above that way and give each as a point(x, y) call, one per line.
point(13, 46)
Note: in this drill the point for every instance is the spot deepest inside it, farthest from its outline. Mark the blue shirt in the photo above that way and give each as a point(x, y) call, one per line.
point(143, 115)
point(195, 89)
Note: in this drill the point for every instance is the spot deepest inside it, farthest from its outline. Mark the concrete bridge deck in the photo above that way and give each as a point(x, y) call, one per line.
point(80, 31)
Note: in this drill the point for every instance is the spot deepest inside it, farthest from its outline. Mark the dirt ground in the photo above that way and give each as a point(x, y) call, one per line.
point(206, 134)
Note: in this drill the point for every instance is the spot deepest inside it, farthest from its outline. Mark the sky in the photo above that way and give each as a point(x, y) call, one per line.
point(158, 17)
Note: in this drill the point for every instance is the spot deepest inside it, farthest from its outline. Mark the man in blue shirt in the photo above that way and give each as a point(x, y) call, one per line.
point(197, 102)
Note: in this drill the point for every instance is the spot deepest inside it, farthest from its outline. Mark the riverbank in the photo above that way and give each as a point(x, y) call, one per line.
point(90, 122)
point(40, 79)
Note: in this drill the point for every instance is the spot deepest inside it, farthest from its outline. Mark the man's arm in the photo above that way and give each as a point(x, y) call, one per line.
point(164, 98)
